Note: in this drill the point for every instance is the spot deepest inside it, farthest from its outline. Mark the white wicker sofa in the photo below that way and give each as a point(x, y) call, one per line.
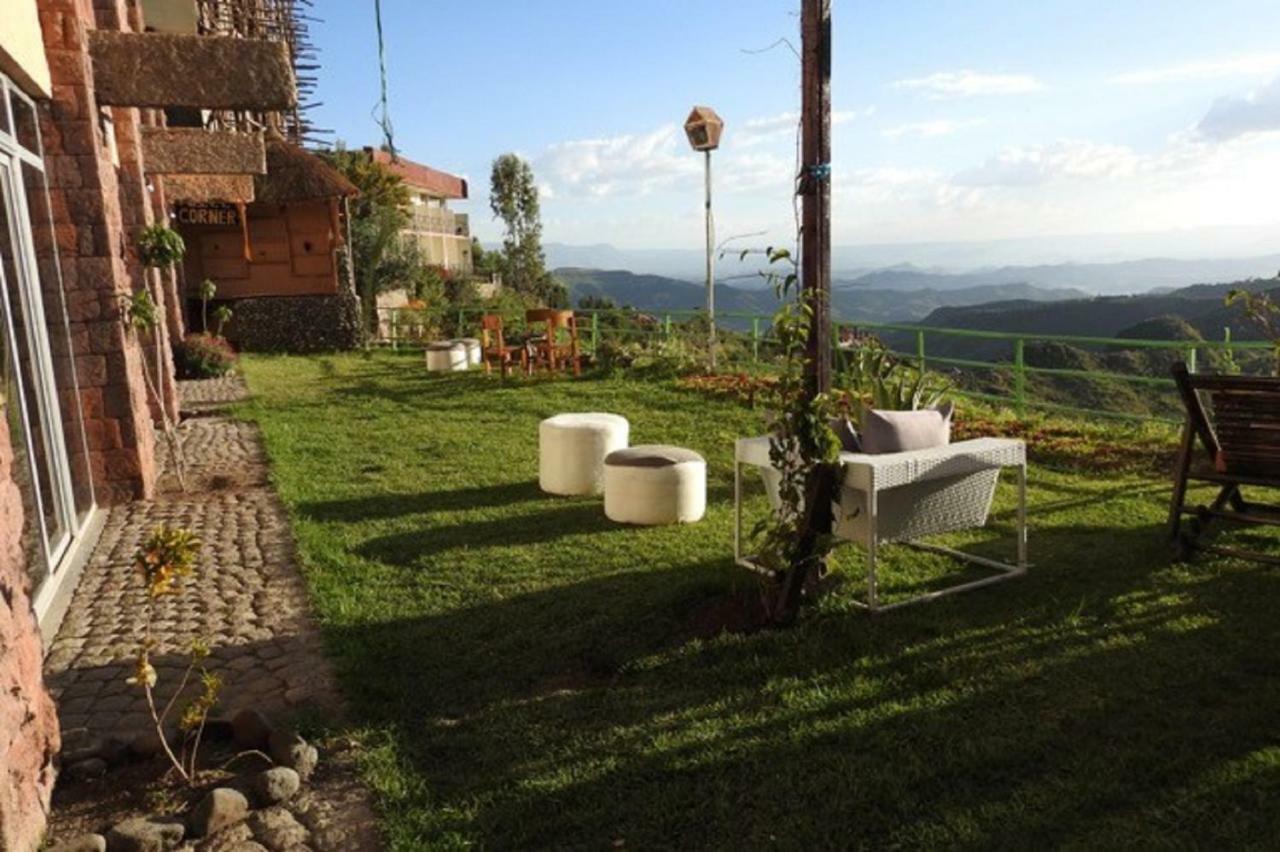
point(902, 497)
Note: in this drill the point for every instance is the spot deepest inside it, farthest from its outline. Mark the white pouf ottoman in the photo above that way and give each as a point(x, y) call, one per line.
point(655, 484)
point(572, 448)
point(472, 346)
point(446, 356)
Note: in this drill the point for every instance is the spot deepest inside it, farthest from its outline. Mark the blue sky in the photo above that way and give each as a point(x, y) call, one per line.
point(975, 120)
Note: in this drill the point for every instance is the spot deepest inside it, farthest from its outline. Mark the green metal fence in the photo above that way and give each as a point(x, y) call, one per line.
point(916, 344)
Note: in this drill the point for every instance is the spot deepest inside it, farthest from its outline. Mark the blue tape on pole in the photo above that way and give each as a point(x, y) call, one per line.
point(820, 171)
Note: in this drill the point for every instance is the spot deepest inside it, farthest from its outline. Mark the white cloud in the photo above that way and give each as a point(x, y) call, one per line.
point(887, 176)
point(1251, 64)
point(968, 83)
point(771, 124)
point(885, 187)
point(926, 129)
point(1040, 164)
point(630, 164)
point(757, 130)
point(752, 171)
point(1231, 117)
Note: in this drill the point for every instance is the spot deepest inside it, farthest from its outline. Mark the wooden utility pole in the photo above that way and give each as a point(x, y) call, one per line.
point(815, 287)
point(815, 188)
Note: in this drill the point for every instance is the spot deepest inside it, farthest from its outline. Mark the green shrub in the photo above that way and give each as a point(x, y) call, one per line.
point(160, 247)
point(204, 356)
point(660, 359)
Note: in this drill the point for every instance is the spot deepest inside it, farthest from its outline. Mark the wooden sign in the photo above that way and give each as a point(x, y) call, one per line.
point(216, 215)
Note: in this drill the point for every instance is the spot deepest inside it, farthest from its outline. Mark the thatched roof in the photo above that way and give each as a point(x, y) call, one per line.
point(206, 189)
point(294, 174)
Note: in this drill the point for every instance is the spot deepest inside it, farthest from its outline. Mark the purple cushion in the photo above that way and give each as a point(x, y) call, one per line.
point(904, 431)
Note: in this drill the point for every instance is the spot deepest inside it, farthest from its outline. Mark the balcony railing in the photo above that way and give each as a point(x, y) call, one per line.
point(434, 220)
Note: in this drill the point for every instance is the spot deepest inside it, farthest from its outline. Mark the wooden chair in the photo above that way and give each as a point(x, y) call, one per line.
point(555, 350)
point(494, 348)
point(1239, 447)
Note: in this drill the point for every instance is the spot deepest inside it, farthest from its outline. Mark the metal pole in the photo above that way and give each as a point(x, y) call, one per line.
point(1019, 377)
point(711, 271)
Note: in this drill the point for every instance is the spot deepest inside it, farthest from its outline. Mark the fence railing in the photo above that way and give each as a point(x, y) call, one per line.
point(926, 347)
point(434, 220)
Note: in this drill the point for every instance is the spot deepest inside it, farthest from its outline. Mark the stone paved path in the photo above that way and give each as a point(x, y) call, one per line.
point(247, 600)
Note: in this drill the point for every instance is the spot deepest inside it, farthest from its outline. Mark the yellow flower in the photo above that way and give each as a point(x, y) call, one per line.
point(168, 554)
point(144, 674)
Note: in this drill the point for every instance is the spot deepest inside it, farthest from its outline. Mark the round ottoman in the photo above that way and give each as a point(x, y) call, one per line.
point(473, 349)
point(572, 447)
point(446, 356)
point(655, 484)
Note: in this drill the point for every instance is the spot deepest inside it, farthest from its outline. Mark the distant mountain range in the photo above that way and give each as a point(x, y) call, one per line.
point(658, 293)
point(1105, 279)
point(1109, 264)
point(1200, 307)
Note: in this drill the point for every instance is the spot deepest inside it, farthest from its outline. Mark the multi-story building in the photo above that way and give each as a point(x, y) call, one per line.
point(444, 235)
point(91, 153)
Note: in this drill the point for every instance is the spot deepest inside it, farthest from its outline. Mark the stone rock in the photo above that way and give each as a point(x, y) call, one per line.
point(231, 839)
point(276, 828)
point(276, 785)
point(83, 843)
point(145, 834)
point(288, 749)
point(220, 808)
point(86, 770)
point(250, 729)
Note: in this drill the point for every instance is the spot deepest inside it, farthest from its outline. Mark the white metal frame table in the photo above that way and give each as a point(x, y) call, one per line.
point(902, 497)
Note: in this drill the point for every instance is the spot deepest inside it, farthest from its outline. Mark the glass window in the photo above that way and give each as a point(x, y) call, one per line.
point(26, 345)
point(11, 412)
point(59, 334)
point(24, 122)
point(4, 106)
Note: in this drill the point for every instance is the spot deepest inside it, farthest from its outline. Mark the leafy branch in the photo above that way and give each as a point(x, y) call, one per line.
point(802, 450)
point(1263, 312)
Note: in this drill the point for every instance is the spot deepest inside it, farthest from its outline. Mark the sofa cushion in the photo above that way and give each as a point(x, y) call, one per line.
point(904, 431)
point(651, 455)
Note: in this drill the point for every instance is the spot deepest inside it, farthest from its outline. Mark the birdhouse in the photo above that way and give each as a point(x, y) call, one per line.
point(703, 127)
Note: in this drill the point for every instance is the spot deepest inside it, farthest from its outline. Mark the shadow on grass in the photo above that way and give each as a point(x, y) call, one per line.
point(383, 506)
point(558, 520)
point(1017, 716)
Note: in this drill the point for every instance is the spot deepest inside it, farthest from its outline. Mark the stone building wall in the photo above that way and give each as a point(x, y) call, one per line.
point(297, 324)
point(91, 229)
point(28, 721)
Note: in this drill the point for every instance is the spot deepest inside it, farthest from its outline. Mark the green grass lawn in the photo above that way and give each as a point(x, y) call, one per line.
point(527, 674)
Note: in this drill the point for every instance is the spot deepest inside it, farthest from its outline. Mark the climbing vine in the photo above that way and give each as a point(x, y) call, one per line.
point(803, 451)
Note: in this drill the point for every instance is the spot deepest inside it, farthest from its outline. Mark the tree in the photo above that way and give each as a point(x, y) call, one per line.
point(513, 197)
point(382, 259)
point(597, 303)
point(380, 188)
point(482, 261)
